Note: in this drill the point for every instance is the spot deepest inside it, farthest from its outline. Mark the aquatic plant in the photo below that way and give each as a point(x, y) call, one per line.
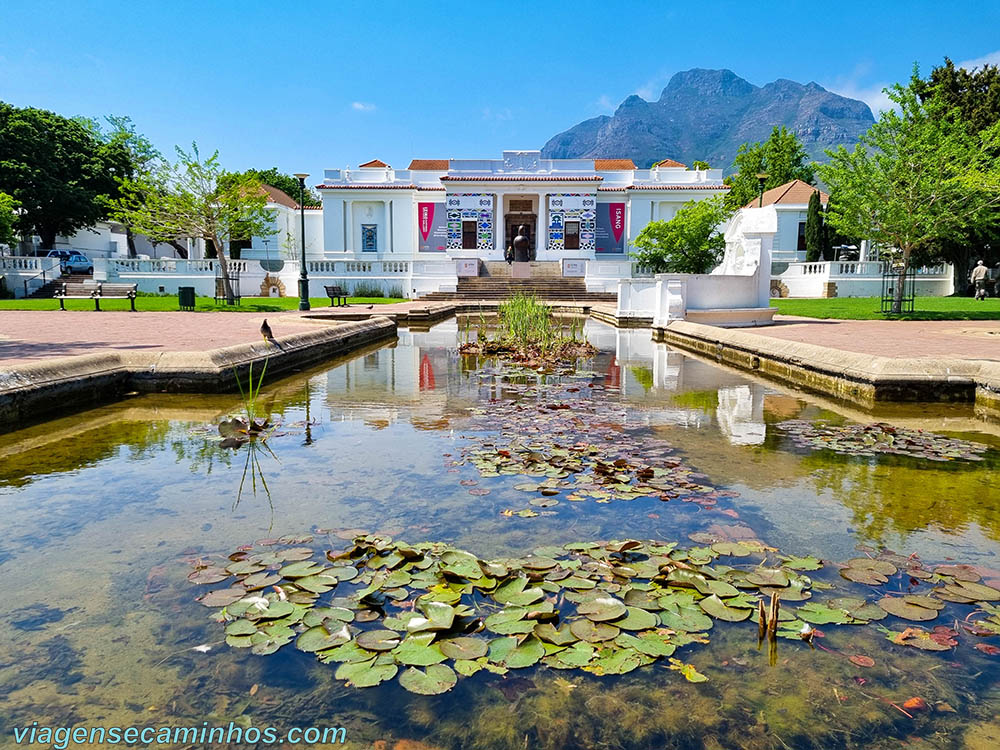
point(438, 612)
point(880, 438)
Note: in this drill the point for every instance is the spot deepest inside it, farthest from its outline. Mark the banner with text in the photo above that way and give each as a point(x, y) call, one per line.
point(610, 227)
point(433, 226)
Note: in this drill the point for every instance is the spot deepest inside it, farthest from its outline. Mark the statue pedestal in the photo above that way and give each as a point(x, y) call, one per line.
point(520, 270)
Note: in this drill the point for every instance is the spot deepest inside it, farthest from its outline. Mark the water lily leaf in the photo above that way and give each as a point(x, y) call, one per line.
point(690, 673)
point(561, 636)
point(959, 572)
point(302, 569)
point(211, 574)
point(975, 591)
point(500, 649)
point(907, 610)
point(221, 597)
point(461, 564)
point(437, 616)
point(418, 650)
point(464, 648)
point(771, 577)
point(864, 575)
point(239, 641)
point(882, 567)
point(918, 638)
point(579, 584)
point(317, 584)
point(718, 609)
point(732, 549)
point(241, 627)
point(366, 674)
point(574, 657)
point(525, 654)
point(651, 643)
point(802, 563)
point(618, 661)
point(378, 640)
point(349, 652)
point(342, 572)
point(274, 610)
point(319, 615)
point(859, 609)
point(637, 619)
point(436, 679)
point(467, 668)
point(293, 554)
point(260, 580)
point(319, 638)
point(818, 613)
point(602, 608)
point(244, 567)
point(684, 618)
point(593, 632)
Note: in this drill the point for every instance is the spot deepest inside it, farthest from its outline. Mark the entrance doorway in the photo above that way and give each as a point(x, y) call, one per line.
point(512, 221)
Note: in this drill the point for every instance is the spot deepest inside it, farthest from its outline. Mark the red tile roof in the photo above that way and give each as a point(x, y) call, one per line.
point(519, 178)
point(794, 193)
point(374, 163)
point(274, 195)
point(669, 163)
point(611, 165)
point(430, 165)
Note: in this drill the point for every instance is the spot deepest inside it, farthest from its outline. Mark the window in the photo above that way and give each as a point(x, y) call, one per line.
point(572, 230)
point(802, 237)
point(520, 206)
point(469, 235)
point(369, 238)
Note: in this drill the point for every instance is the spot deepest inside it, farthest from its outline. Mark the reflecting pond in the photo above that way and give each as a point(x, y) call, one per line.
point(106, 511)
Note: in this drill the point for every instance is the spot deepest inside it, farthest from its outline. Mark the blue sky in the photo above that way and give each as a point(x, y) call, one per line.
point(305, 86)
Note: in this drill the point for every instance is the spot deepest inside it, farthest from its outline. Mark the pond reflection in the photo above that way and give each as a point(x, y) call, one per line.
point(104, 510)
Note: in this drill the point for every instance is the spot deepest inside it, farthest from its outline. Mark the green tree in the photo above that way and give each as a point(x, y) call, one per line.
point(781, 156)
point(975, 95)
point(814, 229)
point(700, 165)
point(8, 220)
point(918, 176)
point(691, 242)
point(57, 169)
point(192, 199)
point(282, 181)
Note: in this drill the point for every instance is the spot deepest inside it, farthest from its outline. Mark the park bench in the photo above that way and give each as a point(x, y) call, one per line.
point(336, 293)
point(97, 292)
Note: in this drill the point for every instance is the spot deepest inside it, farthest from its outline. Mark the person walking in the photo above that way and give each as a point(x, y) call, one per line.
point(978, 279)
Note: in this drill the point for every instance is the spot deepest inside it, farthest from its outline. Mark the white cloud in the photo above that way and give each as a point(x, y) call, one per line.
point(604, 104)
point(651, 89)
point(363, 106)
point(874, 96)
point(992, 58)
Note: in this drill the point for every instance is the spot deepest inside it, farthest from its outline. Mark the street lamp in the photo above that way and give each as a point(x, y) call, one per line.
point(761, 179)
point(303, 276)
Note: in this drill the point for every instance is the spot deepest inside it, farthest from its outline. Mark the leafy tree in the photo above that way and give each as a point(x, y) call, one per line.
point(8, 219)
point(192, 198)
point(918, 176)
point(975, 96)
point(814, 229)
point(700, 166)
point(57, 169)
point(282, 181)
point(781, 156)
point(691, 242)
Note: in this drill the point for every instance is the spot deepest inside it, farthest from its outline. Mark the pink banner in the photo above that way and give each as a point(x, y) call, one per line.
point(426, 213)
point(617, 211)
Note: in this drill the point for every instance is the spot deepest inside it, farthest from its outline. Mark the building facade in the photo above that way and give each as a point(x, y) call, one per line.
point(582, 209)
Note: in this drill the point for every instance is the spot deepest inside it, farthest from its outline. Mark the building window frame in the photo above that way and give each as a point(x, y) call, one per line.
point(369, 238)
point(571, 234)
point(470, 234)
point(800, 245)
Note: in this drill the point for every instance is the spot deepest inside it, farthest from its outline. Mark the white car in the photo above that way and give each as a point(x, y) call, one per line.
point(77, 263)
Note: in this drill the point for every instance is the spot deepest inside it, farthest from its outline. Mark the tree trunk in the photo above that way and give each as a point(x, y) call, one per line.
point(181, 250)
point(130, 240)
point(897, 300)
point(227, 284)
point(48, 237)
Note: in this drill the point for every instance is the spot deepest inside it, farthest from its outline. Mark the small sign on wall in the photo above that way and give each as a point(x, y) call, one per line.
point(572, 202)
point(574, 267)
point(465, 267)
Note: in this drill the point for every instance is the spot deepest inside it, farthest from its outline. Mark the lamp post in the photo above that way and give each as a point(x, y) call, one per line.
point(761, 179)
point(303, 276)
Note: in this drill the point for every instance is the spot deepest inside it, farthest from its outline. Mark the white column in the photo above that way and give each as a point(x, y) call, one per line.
point(499, 243)
point(541, 228)
point(387, 212)
point(349, 226)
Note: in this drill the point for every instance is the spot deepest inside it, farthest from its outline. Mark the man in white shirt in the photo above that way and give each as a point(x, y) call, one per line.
point(978, 278)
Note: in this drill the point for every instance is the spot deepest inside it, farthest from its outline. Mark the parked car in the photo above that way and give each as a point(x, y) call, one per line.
point(72, 262)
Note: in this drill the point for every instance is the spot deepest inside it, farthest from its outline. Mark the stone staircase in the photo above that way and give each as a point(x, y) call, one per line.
point(500, 288)
point(51, 287)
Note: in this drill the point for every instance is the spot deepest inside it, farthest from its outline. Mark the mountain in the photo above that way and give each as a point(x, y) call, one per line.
point(707, 114)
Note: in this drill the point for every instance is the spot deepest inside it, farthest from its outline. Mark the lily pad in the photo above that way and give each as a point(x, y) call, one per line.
point(319, 638)
point(602, 609)
point(434, 680)
point(718, 609)
point(593, 632)
point(378, 640)
point(907, 610)
point(464, 648)
point(637, 619)
point(366, 674)
point(417, 650)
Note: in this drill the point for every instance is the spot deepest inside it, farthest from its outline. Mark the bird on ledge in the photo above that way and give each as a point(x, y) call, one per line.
point(265, 331)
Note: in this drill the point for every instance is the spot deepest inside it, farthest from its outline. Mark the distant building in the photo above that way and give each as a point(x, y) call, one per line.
point(791, 201)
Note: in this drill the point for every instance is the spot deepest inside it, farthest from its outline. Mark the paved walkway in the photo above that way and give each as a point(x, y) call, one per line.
point(963, 339)
point(31, 335)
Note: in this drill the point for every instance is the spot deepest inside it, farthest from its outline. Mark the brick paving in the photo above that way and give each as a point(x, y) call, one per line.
point(963, 339)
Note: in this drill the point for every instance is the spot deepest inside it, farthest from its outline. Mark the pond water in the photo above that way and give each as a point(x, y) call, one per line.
point(105, 511)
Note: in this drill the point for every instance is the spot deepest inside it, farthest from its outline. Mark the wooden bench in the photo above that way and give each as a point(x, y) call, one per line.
point(336, 293)
point(97, 292)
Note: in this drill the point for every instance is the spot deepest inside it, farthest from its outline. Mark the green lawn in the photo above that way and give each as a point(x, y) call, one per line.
point(868, 308)
point(202, 304)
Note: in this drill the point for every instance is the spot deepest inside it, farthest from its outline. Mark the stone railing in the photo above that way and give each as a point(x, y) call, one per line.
point(27, 263)
point(359, 267)
point(845, 278)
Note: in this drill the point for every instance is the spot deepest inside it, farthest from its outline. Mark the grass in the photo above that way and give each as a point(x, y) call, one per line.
point(202, 304)
point(868, 308)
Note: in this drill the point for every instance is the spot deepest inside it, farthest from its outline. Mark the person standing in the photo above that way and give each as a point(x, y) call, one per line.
point(978, 279)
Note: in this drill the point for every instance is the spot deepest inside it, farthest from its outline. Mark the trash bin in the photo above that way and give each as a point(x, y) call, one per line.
point(185, 297)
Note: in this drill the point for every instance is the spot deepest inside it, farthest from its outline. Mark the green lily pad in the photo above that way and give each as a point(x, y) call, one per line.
point(637, 619)
point(417, 650)
point(561, 636)
point(819, 613)
point(302, 569)
point(651, 643)
point(574, 657)
point(732, 549)
point(378, 640)
point(436, 679)
point(618, 661)
point(802, 563)
point(593, 632)
point(222, 597)
point(718, 609)
point(907, 610)
point(525, 654)
point(685, 618)
point(771, 577)
point(975, 591)
point(437, 616)
point(464, 648)
point(241, 627)
point(602, 609)
point(461, 564)
point(366, 674)
point(319, 638)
